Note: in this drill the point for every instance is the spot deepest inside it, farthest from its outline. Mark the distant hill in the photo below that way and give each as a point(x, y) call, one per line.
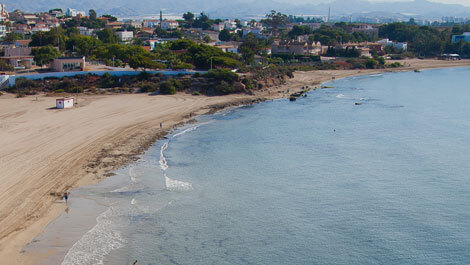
point(241, 8)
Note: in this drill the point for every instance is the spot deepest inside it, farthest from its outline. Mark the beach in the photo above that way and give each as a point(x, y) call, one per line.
point(46, 151)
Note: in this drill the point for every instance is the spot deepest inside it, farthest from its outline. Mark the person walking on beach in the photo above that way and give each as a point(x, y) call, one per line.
point(66, 197)
point(161, 125)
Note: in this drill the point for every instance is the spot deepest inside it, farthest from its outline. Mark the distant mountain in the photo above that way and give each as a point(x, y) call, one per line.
point(241, 8)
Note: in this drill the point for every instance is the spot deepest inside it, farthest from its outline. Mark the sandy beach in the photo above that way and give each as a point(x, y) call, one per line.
point(45, 152)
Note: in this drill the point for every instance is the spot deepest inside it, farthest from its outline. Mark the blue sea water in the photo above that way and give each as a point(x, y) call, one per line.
point(317, 181)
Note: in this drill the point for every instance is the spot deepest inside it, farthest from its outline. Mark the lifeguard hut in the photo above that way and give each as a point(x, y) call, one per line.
point(64, 103)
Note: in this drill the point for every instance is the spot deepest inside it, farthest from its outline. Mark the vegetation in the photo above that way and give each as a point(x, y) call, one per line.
point(427, 41)
point(44, 55)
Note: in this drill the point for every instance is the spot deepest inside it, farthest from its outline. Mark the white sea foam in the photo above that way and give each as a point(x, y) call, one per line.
point(132, 175)
point(177, 185)
point(190, 129)
point(123, 189)
point(96, 243)
point(340, 96)
point(173, 184)
point(163, 164)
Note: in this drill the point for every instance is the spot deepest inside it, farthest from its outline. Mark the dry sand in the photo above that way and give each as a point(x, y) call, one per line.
point(44, 151)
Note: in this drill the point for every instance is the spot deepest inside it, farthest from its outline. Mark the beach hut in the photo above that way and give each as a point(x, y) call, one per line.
point(64, 103)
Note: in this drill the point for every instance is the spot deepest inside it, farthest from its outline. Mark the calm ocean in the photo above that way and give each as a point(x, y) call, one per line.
point(317, 181)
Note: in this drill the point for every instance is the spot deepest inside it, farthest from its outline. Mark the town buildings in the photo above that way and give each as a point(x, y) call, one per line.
point(169, 24)
point(125, 36)
point(74, 13)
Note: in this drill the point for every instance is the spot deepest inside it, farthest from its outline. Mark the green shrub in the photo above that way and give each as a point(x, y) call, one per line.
point(381, 60)
point(222, 75)
point(77, 89)
point(196, 93)
point(371, 64)
point(59, 91)
point(167, 88)
point(21, 94)
point(183, 66)
point(223, 88)
point(146, 87)
point(396, 65)
point(177, 84)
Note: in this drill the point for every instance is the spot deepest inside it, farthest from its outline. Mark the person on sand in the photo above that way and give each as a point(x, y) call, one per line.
point(66, 196)
point(161, 125)
point(135, 262)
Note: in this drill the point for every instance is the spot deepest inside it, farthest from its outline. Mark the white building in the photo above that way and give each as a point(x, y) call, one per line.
point(150, 23)
point(125, 36)
point(40, 27)
point(396, 45)
point(85, 31)
point(218, 27)
point(230, 24)
point(169, 24)
point(3, 13)
point(3, 31)
point(73, 12)
point(64, 103)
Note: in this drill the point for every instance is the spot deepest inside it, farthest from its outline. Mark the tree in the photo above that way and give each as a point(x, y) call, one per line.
point(54, 37)
point(45, 55)
point(92, 14)
point(275, 20)
point(111, 18)
point(83, 45)
point(224, 35)
point(249, 48)
point(299, 30)
point(142, 61)
point(189, 18)
point(107, 36)
point(12, 37)
point(6, 67)
point(412, 21)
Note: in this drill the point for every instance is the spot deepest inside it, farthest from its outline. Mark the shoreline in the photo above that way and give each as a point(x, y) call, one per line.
point(119, 145)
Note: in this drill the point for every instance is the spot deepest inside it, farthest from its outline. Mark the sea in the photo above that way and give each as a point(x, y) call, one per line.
point(370, 170)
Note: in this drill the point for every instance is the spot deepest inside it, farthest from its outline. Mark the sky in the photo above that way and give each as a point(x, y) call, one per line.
point(462, 2)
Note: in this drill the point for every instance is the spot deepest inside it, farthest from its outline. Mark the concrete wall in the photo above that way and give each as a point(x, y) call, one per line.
point(17, 51)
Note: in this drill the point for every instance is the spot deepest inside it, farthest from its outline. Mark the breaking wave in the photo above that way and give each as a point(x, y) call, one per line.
point(96, 243)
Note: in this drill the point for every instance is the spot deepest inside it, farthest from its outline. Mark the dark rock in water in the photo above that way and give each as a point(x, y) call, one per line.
point(292, 98)
point(358, 103)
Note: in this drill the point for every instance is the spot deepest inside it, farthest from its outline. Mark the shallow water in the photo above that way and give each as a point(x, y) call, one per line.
point(316, 181)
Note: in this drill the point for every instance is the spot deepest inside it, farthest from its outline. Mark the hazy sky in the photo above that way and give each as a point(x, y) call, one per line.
point(462, 2)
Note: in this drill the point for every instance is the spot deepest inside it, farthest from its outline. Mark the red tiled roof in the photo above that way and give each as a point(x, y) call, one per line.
point(23, 42)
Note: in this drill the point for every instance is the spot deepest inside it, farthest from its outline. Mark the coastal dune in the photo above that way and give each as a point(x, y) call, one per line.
point(45, 151)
